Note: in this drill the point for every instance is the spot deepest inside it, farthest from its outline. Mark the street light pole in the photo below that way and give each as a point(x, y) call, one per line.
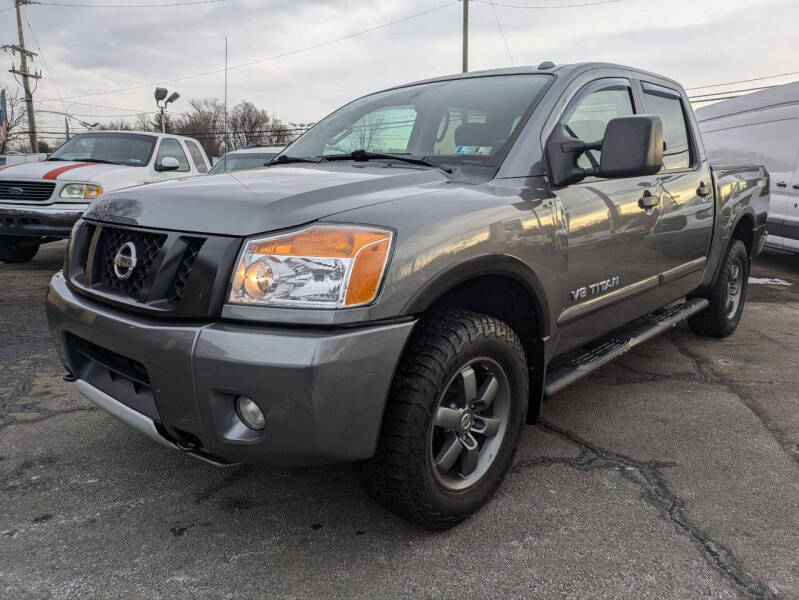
point(465, 35)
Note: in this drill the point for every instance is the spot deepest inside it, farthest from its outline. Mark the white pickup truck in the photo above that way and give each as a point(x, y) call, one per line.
point(40, 202)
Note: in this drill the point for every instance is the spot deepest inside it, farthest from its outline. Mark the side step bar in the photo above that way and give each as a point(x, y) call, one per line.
point(600, 355)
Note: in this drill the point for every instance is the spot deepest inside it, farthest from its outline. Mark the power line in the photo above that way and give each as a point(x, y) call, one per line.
point(170, 4)
point(501, 33)
point(270, 58)
point(44, 60)
point(548, 6)
point(753, 89)
point(702, 87)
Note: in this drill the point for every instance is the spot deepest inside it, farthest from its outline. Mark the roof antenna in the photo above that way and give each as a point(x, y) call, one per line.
point(224, 140)
point(546, 65)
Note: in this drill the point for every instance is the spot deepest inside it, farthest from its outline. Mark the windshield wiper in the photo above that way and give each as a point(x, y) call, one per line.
point(283, 159)
point(364, 155)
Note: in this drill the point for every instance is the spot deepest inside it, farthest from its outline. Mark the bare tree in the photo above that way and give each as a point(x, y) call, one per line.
point(205, 121)
point(249, 124)
point(17, 121)
point(120, 125)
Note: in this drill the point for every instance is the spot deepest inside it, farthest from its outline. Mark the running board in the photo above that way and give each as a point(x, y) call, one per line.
point(600, 355)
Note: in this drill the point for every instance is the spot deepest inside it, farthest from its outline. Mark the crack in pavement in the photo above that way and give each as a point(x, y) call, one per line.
point(705, 366)
point(211, 490)
point(647, 476)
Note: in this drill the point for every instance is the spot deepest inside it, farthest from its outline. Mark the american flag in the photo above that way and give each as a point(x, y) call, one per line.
point(3, 117)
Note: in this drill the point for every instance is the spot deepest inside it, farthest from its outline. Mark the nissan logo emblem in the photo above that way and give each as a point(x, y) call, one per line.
point(125, 261)
point(16, 190)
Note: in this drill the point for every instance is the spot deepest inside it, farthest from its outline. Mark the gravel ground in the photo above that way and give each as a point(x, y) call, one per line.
point(672, 473)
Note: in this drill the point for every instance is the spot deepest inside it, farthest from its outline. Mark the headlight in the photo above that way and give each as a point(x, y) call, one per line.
point(324, 266)
point(81, 191)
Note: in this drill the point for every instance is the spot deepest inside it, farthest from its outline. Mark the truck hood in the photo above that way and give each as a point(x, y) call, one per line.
point(250, 202)
point(57, 170)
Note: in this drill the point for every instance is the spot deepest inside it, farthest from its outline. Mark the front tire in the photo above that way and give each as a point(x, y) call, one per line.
point(453, 420)
point(727, 297)
point(17, 249)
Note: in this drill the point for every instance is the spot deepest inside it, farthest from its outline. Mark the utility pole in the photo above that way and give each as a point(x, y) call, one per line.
point(465, 35)
point(25, 74)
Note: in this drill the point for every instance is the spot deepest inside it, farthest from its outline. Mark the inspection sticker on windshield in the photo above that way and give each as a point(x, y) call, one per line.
point(473, 149)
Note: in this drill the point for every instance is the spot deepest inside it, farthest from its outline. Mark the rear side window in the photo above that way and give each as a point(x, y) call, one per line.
point(171, 147)
point(667, 104)
point(588, 114)
point(197, 156)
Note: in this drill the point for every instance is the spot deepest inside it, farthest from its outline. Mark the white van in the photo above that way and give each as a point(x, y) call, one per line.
point(762, 128)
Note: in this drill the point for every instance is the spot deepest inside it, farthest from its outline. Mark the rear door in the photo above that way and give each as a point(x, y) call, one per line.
point(684, 226)
point(197, 156)
point(612, 264)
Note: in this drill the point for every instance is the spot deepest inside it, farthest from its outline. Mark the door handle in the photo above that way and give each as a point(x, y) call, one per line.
point(648, 201)
point(795, 186)
point(703, 190)
point(782, 184)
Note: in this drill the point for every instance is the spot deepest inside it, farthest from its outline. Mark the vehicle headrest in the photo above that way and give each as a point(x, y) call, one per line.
point(473, 134)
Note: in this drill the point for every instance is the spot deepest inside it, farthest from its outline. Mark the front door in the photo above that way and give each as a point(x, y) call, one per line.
point(612, 263)
point(170, 147)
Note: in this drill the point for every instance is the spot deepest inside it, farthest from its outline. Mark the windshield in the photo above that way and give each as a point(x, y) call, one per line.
point(124, 148)
point(241, 162)
point(459, 121)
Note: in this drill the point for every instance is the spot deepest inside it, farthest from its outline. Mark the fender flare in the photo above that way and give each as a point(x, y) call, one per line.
point(486, 264)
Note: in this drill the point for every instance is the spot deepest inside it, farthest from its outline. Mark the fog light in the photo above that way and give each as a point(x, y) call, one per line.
point(249, 413)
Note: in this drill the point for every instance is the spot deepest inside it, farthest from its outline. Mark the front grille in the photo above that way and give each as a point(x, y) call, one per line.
point(25, 191)
point(147, 246)
point(175, 274)
point(184, 269)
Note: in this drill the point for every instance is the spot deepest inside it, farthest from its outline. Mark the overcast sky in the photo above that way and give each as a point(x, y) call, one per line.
point(91, 50)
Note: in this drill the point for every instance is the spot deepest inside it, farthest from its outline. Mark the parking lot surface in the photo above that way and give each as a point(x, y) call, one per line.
point(672, 473)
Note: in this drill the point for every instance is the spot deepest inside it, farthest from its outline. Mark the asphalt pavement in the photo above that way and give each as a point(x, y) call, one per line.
point(672, 473)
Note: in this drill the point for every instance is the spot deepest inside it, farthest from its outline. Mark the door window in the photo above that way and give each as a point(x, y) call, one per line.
point(171, 147)
point(197, 156)
point(589, 113)
point(667, 104)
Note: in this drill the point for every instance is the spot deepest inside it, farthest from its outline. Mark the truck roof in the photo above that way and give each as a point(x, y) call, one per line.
point(156, 134)
point(565, 69)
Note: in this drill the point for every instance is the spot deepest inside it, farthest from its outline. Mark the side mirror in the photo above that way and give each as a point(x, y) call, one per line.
point(632, 146)
point(168, 163)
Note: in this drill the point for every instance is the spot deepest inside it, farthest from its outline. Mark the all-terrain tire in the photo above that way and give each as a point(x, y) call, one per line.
point(400, 476)
point(721, 318)
point(17, 249)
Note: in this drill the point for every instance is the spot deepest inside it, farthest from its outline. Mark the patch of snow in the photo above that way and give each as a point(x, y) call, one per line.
point(769, 281)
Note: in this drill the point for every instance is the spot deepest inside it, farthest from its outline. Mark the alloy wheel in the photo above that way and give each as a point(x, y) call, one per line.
point(471, 419)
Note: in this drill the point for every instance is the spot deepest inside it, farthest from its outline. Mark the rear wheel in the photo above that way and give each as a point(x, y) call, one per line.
point(17, 249)
point(453, 420)
point(727, 297)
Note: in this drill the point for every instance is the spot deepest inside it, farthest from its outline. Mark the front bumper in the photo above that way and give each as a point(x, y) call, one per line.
point(322, 391)
point(54, 221)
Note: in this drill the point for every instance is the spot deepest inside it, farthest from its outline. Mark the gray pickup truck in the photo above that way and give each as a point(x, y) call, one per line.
point(407, 281)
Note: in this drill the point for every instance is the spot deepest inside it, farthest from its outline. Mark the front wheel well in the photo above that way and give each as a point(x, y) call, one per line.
point(508, 300)
point(745, 231)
